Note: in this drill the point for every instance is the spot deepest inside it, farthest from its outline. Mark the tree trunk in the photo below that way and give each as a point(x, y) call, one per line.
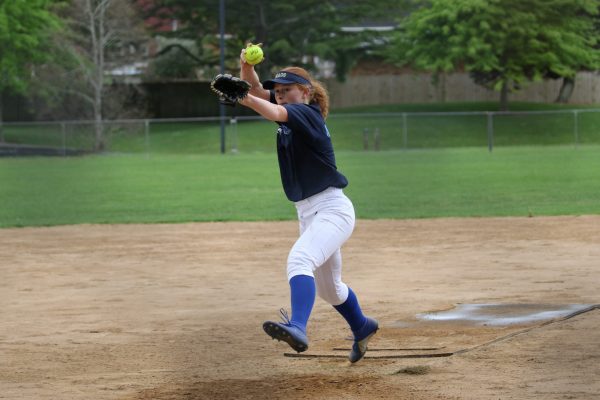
point(442, 87)
point(99, 133)
point(504, 97)
point(96, 15)
point(566, 90)
point(98, 120)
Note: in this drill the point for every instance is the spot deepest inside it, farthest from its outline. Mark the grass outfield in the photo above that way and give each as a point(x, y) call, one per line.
point(520, 181)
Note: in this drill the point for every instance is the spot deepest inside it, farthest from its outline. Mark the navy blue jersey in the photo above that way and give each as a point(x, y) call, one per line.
point(305, 153)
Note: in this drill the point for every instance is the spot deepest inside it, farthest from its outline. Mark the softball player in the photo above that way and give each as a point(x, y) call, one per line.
point(299, 105)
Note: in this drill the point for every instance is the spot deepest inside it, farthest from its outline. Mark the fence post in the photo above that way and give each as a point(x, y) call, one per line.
point(404, 131)
point(63, 131)
point(233, 125)
point(366, 139)
point(490, 130)
point(576, 127)
point(147, 136)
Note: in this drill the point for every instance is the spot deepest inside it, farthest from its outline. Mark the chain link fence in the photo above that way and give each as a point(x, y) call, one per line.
point(355, 132)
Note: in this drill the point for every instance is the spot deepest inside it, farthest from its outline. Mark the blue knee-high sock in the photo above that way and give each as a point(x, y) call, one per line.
point(303, 292)
point(350, 310)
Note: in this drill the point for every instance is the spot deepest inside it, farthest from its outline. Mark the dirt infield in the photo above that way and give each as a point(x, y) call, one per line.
point(175, 311)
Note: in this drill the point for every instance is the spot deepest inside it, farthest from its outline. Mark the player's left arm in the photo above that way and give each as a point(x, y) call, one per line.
point(270, 111)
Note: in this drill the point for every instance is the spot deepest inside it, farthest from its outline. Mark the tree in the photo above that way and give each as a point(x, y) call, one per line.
point(568, 82)
point(297, 32)
point(25, 27)
point(100, 35)
point(501, 43)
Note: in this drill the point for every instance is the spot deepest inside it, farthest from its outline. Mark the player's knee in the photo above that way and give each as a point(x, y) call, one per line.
point(334, 295)
point(329, 297)
point(299, 263)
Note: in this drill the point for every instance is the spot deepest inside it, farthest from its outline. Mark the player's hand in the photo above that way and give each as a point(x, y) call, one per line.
point(243, 54)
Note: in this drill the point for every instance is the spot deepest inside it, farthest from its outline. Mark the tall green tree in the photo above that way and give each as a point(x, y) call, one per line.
point(568, 81)
point(26, 26)
point(502, 43)
point(292, 31)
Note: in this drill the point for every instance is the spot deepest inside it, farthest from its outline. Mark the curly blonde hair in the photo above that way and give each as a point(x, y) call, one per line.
point(318, 93)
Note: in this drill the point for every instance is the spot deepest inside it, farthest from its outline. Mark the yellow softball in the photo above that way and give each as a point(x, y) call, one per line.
point(254, 54)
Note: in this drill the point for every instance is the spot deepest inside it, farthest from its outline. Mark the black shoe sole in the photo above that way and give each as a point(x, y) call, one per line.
point(358, 354)
point(276, 332)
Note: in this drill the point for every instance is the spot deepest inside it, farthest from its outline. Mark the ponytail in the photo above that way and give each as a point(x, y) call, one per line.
point(318, 93)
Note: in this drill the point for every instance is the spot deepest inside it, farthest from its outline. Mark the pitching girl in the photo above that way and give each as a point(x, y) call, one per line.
point(299, 105)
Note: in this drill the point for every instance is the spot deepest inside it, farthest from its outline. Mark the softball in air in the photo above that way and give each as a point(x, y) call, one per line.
point(254, 54)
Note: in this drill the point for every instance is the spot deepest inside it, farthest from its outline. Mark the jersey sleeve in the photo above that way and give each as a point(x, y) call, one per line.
point(307, 120)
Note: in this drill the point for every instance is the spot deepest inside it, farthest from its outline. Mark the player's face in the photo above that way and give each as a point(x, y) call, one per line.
point(289, 94)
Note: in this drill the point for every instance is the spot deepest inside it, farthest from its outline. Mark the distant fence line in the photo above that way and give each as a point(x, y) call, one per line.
point(455, 87)
point(364, 131)
point(190, 99)
point(373, 135)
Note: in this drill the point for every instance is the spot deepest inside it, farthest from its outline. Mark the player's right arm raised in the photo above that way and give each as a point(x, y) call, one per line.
point(248, 74)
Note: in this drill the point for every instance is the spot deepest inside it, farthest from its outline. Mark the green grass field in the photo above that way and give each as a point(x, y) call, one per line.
point(423, 183)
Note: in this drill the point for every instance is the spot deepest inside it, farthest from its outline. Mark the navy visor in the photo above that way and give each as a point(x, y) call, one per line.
point(285, 78)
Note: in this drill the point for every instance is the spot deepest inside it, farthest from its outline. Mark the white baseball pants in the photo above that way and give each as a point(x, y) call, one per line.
point(326, 222)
